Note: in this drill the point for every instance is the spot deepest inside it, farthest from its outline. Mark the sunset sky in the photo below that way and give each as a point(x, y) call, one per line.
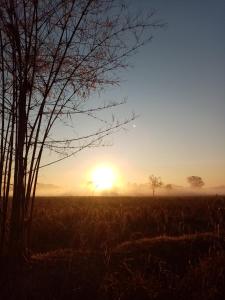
point(176, 84)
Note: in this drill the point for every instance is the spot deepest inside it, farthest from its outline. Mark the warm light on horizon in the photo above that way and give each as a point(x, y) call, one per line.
point(103, 178)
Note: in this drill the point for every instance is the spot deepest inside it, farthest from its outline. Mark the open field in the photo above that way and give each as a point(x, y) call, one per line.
point(123, 248)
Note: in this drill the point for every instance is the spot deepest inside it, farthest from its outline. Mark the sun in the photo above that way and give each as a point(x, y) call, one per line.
point(103, 178)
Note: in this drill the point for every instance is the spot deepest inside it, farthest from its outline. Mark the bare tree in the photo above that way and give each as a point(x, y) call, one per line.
point(53, 56)
point(195, 181)
point(169, 187)
point(155, 182)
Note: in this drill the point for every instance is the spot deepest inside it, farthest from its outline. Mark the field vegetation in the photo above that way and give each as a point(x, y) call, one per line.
point(123, 248)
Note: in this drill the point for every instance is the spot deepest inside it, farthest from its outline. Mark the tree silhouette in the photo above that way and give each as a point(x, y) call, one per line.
point(155, 182)
point(53, 56)
point(169, 187)
point(195, 181)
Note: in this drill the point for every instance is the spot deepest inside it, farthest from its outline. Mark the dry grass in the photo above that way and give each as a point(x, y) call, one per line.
point(101, 223)
point(123, 248)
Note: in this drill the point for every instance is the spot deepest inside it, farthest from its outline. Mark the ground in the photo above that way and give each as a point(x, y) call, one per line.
point(123, 248)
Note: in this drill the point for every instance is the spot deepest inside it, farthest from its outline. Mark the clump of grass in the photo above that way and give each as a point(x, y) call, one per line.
point(178, 252)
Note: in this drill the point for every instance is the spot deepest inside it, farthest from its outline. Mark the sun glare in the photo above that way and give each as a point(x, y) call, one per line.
point(103, 178)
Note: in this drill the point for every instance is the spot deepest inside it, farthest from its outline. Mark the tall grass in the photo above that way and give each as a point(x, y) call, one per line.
point(99, 223)
point(123, 248)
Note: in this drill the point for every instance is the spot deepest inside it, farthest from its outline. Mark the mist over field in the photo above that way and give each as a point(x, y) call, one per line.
point(131, 189)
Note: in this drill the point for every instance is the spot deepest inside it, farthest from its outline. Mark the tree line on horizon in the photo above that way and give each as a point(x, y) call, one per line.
point(155, 182)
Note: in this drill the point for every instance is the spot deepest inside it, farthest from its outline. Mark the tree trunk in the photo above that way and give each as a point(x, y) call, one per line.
point(17, 223)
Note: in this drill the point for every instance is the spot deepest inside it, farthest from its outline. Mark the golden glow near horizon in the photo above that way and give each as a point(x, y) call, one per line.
point(103, 178)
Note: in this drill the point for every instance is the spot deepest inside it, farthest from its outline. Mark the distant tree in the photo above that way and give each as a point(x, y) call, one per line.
point(195, 181)
point(168, 187)
point(155, 182)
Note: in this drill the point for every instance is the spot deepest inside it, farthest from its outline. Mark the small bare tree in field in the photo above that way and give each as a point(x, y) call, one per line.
point(155, 182)
point(195, 181)
point(53, 56)
point(168, 187)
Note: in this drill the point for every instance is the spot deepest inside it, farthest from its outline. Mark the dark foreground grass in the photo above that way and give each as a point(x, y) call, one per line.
point(123, 248)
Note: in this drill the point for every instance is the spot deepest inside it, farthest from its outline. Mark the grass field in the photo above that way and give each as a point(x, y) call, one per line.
point(123, 248)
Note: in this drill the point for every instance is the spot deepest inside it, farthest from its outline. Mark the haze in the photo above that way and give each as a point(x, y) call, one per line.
point(176, 86)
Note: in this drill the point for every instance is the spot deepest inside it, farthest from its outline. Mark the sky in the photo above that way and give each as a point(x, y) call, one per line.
point(176, 86)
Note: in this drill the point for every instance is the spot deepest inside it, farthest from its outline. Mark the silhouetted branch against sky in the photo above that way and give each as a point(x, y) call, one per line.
point(53, 56)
